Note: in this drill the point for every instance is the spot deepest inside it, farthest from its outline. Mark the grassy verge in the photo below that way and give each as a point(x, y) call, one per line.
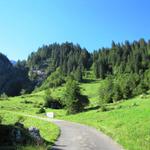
point(127, 122)
point(48, 131)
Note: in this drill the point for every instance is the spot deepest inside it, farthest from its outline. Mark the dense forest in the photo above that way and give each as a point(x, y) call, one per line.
point(126, 63)
point(125, 68)
point(122, 58)
point(67, 56)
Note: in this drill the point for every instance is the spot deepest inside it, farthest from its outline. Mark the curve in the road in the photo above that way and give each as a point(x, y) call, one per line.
point(75, 136)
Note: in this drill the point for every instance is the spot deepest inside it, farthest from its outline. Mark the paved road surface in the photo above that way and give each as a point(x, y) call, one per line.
point(80, 137)
point(75, 136)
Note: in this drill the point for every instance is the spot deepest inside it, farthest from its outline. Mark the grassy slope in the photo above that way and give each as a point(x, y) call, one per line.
point(36, 100)
point(127, 122)
point(48, 131)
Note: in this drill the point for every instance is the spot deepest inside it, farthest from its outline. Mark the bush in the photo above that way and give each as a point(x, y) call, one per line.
point(41, 110)
point(103, 108)
point(127, 91)
point(122, 86)
point(27, 102)
point(117, 94)
point(106, 92)
point(54, 80)
point(50, 102)
point(142, 88)
point(20, 119)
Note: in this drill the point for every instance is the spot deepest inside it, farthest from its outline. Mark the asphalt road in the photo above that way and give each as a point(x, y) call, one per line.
point(75, 136)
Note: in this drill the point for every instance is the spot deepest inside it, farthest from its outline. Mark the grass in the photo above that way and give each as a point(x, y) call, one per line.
point(127, 122)
point(90, 88)
point(48, 131)
point(30, 104)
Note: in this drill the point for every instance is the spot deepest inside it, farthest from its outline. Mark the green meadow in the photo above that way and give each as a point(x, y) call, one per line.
point(127, 122)
point(49, 131)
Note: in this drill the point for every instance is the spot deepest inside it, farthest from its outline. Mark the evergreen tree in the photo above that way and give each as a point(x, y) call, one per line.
point(74, 100)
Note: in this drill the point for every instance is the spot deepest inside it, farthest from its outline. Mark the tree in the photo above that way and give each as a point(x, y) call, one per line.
point(106, 92)
point(78, 74)
point(66, 56)
point(117, 94)
point(95, 69)
point(75, 102)
point(126, 90)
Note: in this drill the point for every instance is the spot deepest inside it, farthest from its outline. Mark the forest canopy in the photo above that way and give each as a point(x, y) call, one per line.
point(52, 64)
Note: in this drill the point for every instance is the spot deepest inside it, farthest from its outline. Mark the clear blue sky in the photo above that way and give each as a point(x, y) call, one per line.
point(26, 25)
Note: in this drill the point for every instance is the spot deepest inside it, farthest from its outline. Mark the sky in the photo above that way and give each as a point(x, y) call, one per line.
point(26, 25)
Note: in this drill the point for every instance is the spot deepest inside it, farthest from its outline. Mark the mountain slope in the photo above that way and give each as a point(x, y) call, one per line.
point(12, 79)
point(67, 56)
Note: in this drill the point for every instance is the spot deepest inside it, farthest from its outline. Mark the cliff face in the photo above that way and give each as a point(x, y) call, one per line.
point(12, 79)
point(6, 71)
point(5, 64)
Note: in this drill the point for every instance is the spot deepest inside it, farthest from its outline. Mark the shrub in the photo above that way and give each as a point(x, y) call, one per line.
point(27, 102)
point(41, 110)
point(122, 86)
point(127, 91)
point(103, 108)
point(117, 94)
point(142, 88)
point(50, 102)
point(106, 92)
point(54, 80)
point(20, 119)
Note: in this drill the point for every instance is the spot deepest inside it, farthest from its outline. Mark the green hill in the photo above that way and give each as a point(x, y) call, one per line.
point(125, 121)
point(116, 81)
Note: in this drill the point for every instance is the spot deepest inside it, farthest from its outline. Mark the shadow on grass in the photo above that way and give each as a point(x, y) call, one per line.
point(8, 141)
point(88, 81)
point(91, 108)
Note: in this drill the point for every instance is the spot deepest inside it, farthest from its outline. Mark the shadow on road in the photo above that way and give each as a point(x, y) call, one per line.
point(58, 147)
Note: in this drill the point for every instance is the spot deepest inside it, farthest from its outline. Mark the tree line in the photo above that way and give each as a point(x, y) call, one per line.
point(52, 64)
point(122, 58)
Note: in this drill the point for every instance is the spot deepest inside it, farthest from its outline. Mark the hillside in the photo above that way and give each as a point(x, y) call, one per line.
point(107, 89)
point(63, 60)
point(123, 120)
point(127, 122)
point(12, 78)
point(67, 56)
